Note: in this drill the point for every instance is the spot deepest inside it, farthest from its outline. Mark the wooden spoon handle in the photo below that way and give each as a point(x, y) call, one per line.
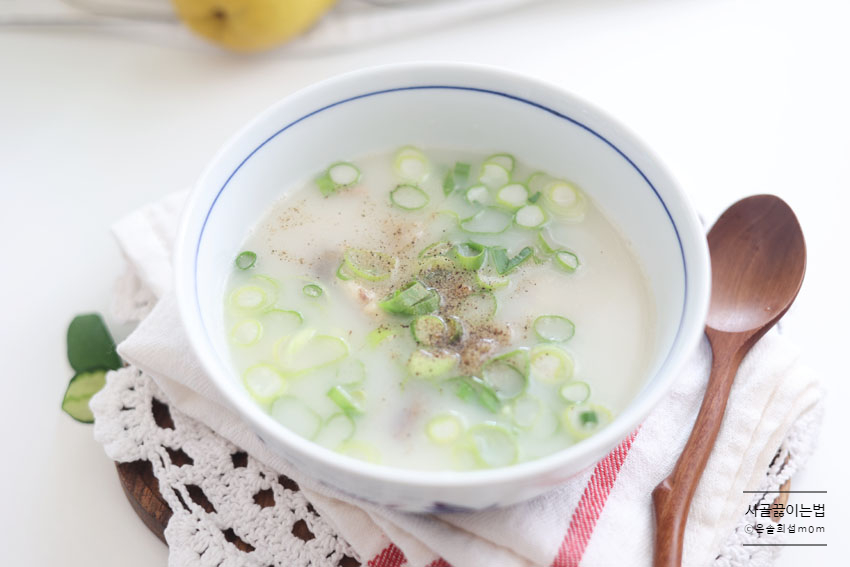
point(672, 497)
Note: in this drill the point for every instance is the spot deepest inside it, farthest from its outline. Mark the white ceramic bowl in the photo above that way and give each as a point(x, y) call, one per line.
point(445, 106)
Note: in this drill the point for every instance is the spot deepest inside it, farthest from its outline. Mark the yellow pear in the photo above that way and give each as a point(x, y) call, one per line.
point(250, 25)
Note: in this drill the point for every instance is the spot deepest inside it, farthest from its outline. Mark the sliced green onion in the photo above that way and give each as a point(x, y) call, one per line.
point(582, 421)
point(313, 290)
point(279, 322)
point(488, 278)
point(473, 389)
point(444, 428)
point(575, 392)
point(337, 429)
point(344, 272)
point(538, 181)
point(530, 216)
point(505, 265)
point(506, 161)
point(246, 332)
point(479, 195)
point(269, 287)
point(470, 255)
point(550, 364)
point(535, 197)
point(526, 411)
point(343, 173)
point(543, 242)
point(369, 264)
point(360, 450)
point(81, 388)
point(428, 329)
point(455, 177)
point(506, 380)
point(246, 260)
point(337, 176)
point(449, 183)
point(461, 173)
point(489, 220)
point(411, 164)
point(566, 260)
point(455, 329)
point(476, 308)
point(436, 249)
point(412, 299)
point(409, 197)
point(307, 351)
point(518, 358)
point(565, 200)
point(379, 335)
point(296, 416)
point(554, 328)
point(264, 382)
point(326, 185)
point(431, 364)
point(494, 175)
point(249, 298)
point(494, 445)
point(512, 196)
point(349, 399)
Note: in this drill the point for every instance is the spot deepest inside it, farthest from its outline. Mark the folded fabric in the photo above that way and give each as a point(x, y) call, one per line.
point(602, 516)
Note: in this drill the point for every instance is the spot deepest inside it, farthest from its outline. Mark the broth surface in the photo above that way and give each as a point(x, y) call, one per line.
point(332, 363)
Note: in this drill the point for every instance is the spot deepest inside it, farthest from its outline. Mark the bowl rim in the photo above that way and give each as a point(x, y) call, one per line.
point(695, 261)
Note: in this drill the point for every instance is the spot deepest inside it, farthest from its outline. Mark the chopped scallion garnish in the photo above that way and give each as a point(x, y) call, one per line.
point(505, 265)
point(246, 260)
point(368, 264)
point(444, 428)
point(412, 299)
point(554, 328)
point(530, 216)
point(409, 197)
point(348, 398)
point(313, 290)
point(512, 196)
point(575, 392)
point(566, 260)
point(431, 364)
point(470, 255)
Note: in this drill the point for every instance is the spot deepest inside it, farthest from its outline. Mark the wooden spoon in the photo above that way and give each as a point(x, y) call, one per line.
point(758, 258)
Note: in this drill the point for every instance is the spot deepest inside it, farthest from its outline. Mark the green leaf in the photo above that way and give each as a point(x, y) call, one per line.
point(80, 390)
point(90, 346)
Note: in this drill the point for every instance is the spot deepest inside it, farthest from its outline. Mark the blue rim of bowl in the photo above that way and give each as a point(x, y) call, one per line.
point(493, 92)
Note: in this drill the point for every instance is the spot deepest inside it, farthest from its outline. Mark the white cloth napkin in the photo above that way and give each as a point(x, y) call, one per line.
point(601, 517)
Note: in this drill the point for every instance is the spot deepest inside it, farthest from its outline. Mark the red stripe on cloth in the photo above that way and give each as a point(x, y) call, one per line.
point(439, 563)
point(390, 556)
point(591, 504)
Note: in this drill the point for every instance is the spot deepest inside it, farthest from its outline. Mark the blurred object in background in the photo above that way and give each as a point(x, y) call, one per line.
point(348, 23)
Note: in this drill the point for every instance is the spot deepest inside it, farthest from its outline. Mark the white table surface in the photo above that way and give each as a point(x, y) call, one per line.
point(738, 97)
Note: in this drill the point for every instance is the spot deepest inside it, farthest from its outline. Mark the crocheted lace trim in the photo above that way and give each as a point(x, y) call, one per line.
point(228, 509)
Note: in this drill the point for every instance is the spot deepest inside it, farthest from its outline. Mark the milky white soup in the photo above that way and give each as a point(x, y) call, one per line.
point(439, 310)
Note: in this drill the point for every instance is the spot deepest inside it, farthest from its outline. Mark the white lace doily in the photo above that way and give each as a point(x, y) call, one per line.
point(217, 493)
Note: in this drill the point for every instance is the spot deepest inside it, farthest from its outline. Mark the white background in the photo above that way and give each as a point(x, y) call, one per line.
point(738, 97)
